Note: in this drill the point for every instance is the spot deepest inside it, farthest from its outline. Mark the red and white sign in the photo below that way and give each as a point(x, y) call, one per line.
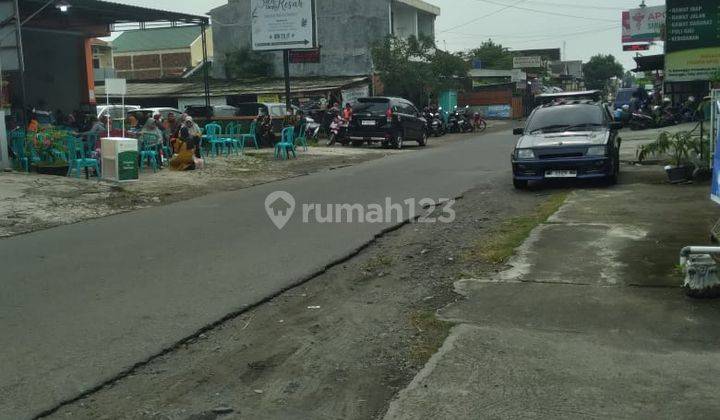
point(643, 25)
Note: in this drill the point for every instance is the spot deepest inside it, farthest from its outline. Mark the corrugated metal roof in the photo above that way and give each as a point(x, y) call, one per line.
point(220, 88)
point(156, 39)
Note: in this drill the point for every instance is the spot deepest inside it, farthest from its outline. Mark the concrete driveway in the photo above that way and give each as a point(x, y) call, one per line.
point(80, 304)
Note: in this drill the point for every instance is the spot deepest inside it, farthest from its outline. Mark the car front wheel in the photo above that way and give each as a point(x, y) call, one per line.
point(520, 184)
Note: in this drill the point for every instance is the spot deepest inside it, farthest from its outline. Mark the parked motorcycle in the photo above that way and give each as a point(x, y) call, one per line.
point(434, 126)
point(312, 129)
point(338, 131)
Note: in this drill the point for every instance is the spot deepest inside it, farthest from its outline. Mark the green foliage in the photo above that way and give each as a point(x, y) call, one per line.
point(682, 147)
point(600, 69)
point(415, 68)
point(245, 63)
point(493, 56)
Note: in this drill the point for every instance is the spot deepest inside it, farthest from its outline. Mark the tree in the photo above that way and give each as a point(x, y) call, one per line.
point(492, 56)
point(600, 69)
point(415, 68)
point(245, 63)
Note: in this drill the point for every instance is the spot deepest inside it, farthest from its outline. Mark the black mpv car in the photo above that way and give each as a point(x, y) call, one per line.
point(575, 139)
point(390, 121)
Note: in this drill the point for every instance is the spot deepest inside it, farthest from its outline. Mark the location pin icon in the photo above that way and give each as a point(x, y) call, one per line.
point(280, 207)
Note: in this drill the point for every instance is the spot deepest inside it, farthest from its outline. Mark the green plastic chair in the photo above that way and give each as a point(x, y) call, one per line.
point(17, 145)
point(148, 150)
point(212, 134)
point(252, 135)
point(286, 144)
point(232, 138)
point(77, 157)
point(301, 137)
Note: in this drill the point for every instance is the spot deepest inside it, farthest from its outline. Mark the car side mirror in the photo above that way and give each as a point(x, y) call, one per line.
point(518, 131)
point(615, 125)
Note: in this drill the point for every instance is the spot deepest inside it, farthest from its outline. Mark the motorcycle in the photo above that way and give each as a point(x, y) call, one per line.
point(434, 126)
point(338, 131)
point(641, 121)
point(312, 129)
point(478, 122)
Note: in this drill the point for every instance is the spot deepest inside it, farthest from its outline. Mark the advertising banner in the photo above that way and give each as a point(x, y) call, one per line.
point(644, 24)
point(282, 24)
point(715, 193)
point(527, 62)
point(693, 40)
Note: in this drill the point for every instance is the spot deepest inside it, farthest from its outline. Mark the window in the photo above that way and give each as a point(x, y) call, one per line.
point(563, 116)
point(371, 106)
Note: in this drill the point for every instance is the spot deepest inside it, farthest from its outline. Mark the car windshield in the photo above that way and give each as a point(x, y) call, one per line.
point(277, 111)
point(570, 117)
point(376, 107)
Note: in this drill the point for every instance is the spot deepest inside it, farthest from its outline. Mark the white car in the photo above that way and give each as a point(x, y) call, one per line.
point(143, 114)
point(115, 111)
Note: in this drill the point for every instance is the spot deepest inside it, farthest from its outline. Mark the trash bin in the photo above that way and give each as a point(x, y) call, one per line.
point(119, 159)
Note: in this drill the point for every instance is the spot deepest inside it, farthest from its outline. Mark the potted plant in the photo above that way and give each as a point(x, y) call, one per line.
point(49, 152)
point(686, 151)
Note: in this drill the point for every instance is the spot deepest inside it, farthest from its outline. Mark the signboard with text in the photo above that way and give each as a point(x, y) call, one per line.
point(527, 62)
point(305, 56)
point(692, 49)
point(644, 24)
point(636, 47)
point(282, 24)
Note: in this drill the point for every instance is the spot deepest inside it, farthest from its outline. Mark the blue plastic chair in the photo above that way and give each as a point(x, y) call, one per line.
point(148, 150)
point(286, 144)
point(212, 134)
point(17, 145)
point(250, 136)
point(77, 157)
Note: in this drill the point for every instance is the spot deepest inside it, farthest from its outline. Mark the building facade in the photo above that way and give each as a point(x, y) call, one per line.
point(102, 60)
point(345, 32)
point(163, 53)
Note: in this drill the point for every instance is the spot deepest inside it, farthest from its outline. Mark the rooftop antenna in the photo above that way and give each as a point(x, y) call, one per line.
point(642, 5)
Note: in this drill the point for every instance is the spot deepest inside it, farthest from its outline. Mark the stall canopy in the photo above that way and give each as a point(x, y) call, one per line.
point(88, 15)
point(50, 32)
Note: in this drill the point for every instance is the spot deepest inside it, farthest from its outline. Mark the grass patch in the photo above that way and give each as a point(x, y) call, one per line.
point(502, 241)
point(378, 262)
point(432, 334)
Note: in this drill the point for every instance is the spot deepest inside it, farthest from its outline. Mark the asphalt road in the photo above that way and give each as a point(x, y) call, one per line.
point(82, 303)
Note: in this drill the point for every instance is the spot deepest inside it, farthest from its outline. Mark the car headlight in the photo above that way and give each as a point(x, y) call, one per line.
point(525, 154)
point(596, 151)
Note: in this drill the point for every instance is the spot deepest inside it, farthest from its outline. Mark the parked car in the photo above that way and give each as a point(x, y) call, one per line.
point(575, 139)
point(143, 114)
point(277, 112)
point(389, 121)
point(115, 111)
point(623, 97)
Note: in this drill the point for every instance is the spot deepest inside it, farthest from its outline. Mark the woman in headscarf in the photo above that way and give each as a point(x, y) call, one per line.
point(186, 146)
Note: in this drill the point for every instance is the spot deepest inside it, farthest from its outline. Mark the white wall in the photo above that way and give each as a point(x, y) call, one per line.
point(404, 21)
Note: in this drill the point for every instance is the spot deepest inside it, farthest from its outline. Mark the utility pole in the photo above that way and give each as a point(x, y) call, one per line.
point(21, 65)
point(286, 66)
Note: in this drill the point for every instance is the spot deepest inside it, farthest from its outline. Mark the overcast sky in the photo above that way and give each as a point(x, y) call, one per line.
point(589, 27)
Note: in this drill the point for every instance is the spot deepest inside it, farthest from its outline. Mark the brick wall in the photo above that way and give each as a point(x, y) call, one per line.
point(123, 63)
point(501, 96)
point(182, 60)
point(148, 66)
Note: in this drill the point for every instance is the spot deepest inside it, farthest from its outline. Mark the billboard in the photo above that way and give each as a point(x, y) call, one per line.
point(643, 25)
point(527, 62)
point(692, 48)
point(282, 25)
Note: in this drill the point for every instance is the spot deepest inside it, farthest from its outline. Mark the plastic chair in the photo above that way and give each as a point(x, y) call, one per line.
point(148, 150)
point(77, 157)
point(286, 144)
point(302, 137)
point(212, 134)
point(17, 145)
point(250, 136)
point(232, 139)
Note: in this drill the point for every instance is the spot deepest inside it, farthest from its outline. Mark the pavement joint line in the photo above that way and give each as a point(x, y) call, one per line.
point(232, 315)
